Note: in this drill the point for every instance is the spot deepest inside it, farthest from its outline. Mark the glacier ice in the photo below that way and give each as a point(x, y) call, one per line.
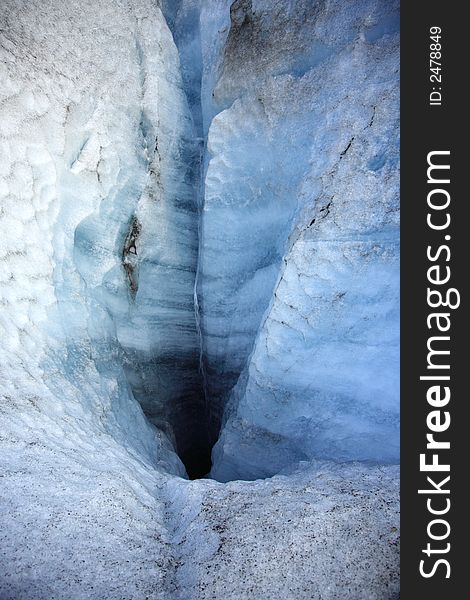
point(199, 236)
point(299, 314)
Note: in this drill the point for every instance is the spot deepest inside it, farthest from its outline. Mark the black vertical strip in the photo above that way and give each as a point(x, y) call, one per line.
point(425, 129)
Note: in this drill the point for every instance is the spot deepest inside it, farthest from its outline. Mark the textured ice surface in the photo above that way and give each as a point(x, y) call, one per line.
point(100, 138)
point(302, 192)
point(81, 520)
point(74, 173)
point(248, 149)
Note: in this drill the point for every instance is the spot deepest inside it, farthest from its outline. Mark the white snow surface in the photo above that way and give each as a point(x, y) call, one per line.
point(289, 243)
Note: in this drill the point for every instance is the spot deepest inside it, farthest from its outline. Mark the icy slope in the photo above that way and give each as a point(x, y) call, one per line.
point(101, 219)
point(301, 191)
point(88, 523)
point(79, 459)
point(324, 532)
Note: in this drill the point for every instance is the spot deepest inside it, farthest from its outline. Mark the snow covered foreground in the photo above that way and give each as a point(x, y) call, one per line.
point(198, 228)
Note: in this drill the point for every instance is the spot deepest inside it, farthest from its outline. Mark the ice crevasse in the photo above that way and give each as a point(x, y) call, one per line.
point(199, 264)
